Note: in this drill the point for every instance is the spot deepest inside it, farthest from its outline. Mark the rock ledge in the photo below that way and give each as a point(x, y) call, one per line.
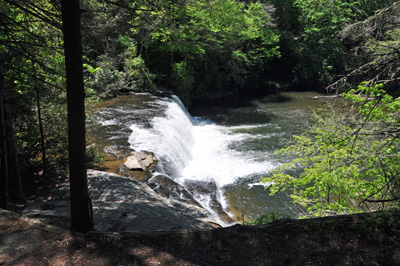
point(122, 204)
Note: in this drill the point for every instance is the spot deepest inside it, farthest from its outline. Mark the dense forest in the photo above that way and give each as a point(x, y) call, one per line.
point(209, 49)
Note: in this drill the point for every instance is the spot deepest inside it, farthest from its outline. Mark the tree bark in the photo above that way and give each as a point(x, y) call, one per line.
point(3, 147)
point(41, 130)
point(81, 208)
point(15, 191)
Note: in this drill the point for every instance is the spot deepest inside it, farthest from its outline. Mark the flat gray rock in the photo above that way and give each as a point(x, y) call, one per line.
point(122, 204)
point(141, 160)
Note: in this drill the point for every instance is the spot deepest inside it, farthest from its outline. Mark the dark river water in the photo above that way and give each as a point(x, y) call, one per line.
point(230, 144)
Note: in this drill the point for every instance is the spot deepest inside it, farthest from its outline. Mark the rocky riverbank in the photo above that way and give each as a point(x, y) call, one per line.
point(122, 204)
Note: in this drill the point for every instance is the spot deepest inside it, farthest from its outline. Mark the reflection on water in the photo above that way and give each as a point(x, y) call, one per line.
point(231, 144)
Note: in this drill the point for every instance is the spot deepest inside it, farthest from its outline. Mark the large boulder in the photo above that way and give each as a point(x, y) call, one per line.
point(141, 161)
point(122, 204)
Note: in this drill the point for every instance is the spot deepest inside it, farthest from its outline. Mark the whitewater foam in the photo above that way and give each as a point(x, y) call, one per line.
point(196, 149)
point(169, 136)
point(214, 160)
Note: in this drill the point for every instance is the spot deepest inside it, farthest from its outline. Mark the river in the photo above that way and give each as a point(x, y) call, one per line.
point(226, 146)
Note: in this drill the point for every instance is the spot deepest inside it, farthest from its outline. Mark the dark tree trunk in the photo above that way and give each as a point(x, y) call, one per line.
point(3, 145)
point(81, 208)
point(15, 191)
point(41, 130)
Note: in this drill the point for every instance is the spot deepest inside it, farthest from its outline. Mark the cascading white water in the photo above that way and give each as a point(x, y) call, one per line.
point(198, 150)
point(214, 159)
point(170, 137)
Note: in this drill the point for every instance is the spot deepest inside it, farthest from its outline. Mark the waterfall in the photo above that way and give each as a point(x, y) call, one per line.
point(218, 156)
point(197, 149)
point(170, 137)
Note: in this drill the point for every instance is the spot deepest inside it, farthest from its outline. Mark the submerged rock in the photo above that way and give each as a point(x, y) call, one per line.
point(168, 188)
point(141, 161)
point(141, 176)
point(207, 191)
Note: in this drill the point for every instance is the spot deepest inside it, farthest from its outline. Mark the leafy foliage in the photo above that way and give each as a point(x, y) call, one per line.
point(313, 50)
point(207, 49)
point(266, 218)
point(377, 51)
point(34, 63)
point(318, 47)
point(350, 157)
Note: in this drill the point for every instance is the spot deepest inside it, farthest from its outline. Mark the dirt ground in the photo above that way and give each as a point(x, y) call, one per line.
point(347, 240)
point(367, 239)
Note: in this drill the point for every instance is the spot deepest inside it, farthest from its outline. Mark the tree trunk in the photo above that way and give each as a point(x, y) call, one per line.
point(3, 145)
point(15, 191)
point(81, 208)
point(41, 130)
